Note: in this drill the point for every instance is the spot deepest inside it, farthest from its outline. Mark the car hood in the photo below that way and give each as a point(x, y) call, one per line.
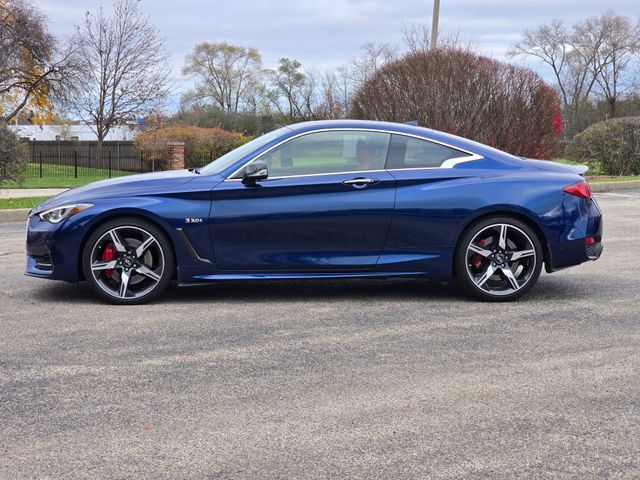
point(118, 186)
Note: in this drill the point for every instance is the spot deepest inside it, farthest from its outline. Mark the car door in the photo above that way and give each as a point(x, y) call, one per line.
point(327, 204)
point(431, 199)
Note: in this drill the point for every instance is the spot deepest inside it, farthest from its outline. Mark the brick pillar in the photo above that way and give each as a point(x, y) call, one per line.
point(176, 155)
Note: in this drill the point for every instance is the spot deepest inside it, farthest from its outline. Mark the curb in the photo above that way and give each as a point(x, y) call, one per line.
point(599, 187)
point(14, 215)
point(20, 214)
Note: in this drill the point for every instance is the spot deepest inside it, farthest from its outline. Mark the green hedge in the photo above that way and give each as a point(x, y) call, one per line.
point(613, 145)
point(13, 156)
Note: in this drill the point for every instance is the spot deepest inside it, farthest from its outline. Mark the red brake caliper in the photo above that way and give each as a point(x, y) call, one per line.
point(476, 260)
point(108, 253)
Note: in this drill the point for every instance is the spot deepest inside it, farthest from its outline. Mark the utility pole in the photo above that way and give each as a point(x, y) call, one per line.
point(434, 24)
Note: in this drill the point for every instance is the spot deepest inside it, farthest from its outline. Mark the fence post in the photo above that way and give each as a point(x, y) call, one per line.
point(176, 155)
point(109, 163)
point(141, 161)
point(75, 163)
point(40, 163)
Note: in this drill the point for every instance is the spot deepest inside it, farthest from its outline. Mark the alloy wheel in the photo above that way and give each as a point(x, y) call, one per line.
point(127, 262)
point(501, 259)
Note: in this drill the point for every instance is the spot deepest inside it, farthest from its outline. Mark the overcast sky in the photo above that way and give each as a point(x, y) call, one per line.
point(324, 34)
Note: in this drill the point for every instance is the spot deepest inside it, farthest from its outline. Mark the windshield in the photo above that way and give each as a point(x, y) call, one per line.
point(228, 159)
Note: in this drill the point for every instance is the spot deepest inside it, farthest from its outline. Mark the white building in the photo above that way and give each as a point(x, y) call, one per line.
point(72, 132)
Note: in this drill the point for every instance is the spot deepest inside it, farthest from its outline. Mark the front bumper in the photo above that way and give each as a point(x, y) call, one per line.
point(52, 250)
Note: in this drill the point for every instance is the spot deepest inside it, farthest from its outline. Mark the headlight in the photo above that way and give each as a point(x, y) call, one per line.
point(57, 214)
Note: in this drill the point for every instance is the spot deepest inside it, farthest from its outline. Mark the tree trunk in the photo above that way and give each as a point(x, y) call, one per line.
point(613, 108)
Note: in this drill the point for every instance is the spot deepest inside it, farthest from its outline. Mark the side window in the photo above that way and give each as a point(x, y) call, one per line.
point(329, 152)
point(409, 152)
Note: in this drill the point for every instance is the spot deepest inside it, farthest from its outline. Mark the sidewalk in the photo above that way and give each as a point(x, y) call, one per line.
point(30, 192)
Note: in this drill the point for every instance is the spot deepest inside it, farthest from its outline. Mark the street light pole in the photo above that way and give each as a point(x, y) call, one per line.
point(434, 24)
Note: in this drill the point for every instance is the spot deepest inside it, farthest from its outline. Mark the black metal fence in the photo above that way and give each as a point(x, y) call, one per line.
point(83, 159)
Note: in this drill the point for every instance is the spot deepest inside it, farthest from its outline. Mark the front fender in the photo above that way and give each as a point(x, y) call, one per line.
point(167, 212)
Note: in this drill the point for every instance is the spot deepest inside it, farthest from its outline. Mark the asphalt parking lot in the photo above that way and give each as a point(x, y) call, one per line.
point(349, 379)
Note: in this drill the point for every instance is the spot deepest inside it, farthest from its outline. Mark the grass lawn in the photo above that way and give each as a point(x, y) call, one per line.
point(57, 176)
point(600, 179)
point(595, 174)
point(28, 202)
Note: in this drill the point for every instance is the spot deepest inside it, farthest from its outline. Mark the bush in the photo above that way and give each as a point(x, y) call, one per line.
point(613, 144)
point(13, 156)
point(209, 116)
point(458, 91)
point(202, 145)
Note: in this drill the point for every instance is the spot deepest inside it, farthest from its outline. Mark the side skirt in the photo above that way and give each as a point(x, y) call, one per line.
point(199, 279)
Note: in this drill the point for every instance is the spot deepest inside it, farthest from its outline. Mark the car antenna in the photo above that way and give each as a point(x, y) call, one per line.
point(412, 122)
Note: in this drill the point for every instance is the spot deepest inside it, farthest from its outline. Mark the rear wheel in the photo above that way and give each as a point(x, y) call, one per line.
point(499, 259)
point(128, 261)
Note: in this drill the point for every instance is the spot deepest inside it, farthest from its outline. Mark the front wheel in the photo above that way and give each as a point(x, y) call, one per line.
point(128, 261)
point(499, 259)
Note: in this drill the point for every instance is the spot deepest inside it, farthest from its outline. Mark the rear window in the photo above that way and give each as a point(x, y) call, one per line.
point(409, 152)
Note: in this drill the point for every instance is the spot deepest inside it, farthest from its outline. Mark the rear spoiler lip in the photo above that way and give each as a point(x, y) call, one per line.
point(581, 169)
point(577, 169)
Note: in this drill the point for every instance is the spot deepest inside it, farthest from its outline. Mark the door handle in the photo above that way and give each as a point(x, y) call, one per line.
point(360, 182)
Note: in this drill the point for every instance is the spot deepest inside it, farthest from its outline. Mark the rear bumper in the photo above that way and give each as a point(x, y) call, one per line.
point(594, 251)
point(582, 239)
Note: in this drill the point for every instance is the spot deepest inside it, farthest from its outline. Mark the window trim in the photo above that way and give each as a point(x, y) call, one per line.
point(447, 164)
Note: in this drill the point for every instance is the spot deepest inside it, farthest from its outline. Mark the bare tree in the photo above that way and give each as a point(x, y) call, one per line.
point(591, 58)
point(614, 58)
point(331, 106)
point(416, 37)
point(344, 89)
point(122, 70)
point(374, 57)
point(292, 90)
point(551, 44)
point(348, 78)
point(227, 74)
point(30, 70)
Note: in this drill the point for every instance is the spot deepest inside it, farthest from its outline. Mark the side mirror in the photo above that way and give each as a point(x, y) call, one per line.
point(255, 171)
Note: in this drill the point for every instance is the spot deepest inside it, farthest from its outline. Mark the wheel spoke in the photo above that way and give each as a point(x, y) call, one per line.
point(522, 254)
point(144, 246)
point(115, 238)
point(479, 250)
point(104, 265)
point(485, 276)
point(511, 278)
point(147, 272)
point(502, 242)
point(124, 283)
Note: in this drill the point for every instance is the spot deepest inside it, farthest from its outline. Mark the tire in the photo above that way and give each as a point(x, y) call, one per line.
point(128, 261)
point(498, 259)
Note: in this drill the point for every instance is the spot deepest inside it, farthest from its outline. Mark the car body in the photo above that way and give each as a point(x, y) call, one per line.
point(325, 199)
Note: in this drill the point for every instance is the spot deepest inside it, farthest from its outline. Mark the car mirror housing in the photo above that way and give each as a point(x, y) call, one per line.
point(254, 172)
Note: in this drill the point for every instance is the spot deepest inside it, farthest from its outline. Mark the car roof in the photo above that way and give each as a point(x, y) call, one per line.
point(408, 129)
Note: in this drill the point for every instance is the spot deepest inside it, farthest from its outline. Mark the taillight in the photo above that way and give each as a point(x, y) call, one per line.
point(579, 190)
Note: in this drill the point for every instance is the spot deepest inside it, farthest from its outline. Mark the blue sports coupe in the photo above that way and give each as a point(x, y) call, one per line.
point(329, 199)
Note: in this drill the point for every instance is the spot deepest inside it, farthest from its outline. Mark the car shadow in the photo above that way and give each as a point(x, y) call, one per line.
point(274, 291)
point(287, 291)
